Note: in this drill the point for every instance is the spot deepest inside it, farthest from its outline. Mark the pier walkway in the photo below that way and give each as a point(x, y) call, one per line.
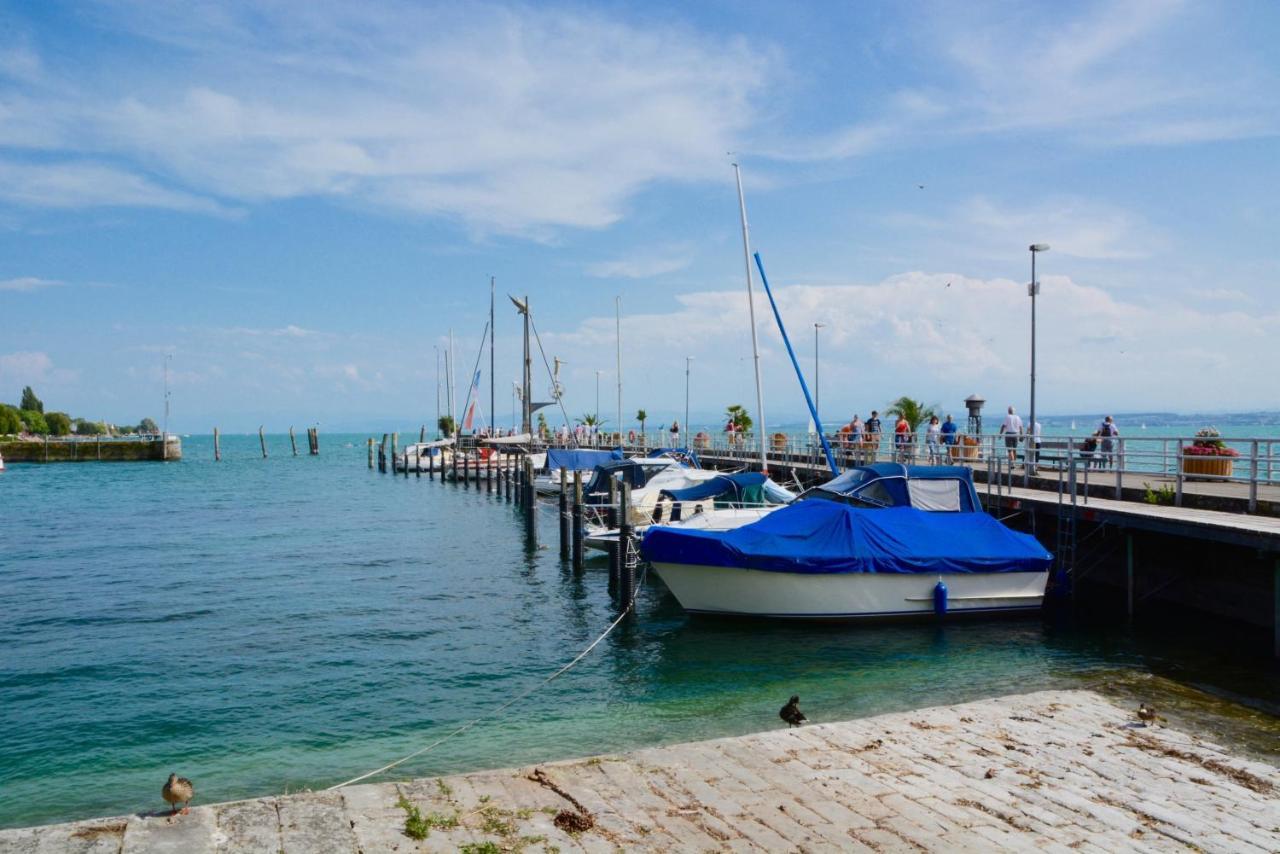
point(1052, 771)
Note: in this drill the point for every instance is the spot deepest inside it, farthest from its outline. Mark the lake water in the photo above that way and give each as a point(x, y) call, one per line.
point(269, 625)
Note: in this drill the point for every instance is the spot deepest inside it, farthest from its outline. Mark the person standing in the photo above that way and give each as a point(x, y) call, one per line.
point(902, 439)
point(675, 433)
point(1011, 429)
point(1107, 431)
point(949, 434)
point(933, 441)
point(871, 436)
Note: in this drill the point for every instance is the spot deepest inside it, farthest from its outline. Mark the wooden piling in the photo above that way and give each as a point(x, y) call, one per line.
point(431, 464)
point(217, 447)
point(422, 434)
point(577, 521)
point(615, 553)
point(611, 515)
point(262, 440)
point(315, 441)
point(564, 515)
point(395, 440)
point(488, 473)
point(293, 441)
point(453, 461)
point(382, 454)
point(626, 565)
point(371, 453)
point(529, 505)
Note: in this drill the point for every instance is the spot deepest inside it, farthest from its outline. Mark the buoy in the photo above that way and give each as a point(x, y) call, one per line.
point(940, 598)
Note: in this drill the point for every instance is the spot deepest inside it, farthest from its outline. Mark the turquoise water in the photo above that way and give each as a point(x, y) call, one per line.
point(263, 626)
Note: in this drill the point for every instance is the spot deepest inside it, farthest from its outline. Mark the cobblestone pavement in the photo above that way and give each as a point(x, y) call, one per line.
point(1049, 771)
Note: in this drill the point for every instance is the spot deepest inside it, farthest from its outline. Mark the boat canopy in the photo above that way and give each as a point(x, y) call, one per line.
point(438, 443)
point(575, 459)
point(744, 487)
point(814, 537)
point(939, 488)
point(636, 472)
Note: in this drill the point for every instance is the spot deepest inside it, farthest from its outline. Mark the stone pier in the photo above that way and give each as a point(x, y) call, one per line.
point(1051, 771)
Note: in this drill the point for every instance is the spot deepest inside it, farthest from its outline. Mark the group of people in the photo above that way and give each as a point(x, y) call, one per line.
point(861, 439)
point(1097, 451)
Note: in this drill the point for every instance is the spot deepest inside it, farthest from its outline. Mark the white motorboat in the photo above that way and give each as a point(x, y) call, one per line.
point(878, 541)
point(424, 456)
point(570, 460)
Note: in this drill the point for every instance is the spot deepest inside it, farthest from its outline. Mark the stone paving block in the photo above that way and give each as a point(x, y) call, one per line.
point(315, 823)
point(178, 834)
point(252, 827)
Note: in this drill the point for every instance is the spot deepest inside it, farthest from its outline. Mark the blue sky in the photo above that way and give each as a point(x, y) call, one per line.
point(299, 201)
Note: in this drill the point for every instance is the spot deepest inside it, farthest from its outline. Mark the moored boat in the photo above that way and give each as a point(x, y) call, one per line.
point(878, 541)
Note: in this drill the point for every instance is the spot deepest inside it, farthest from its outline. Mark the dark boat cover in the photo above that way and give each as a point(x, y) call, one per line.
point(731, 487)
point(833, 537)
point(579, 459)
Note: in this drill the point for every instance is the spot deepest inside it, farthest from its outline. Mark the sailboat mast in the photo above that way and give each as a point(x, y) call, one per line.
point(751, 307)
point(617, 311)
point(437, 346)
point(453, 387)
point(493, 333)
point(526, 422)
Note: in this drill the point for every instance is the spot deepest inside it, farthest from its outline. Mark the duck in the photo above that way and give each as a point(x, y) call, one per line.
point(1147, 715)
point(179, 790)
point(791, 712)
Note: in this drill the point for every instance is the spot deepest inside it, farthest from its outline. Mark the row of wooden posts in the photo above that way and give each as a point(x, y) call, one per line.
point(510, 475)
point(313, 442)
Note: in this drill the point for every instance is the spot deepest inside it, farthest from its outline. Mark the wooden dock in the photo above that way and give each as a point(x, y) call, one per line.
point(1055, 771)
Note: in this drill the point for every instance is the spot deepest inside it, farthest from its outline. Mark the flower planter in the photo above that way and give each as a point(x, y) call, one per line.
point(1205, 465)
point(779, 441)
point(964, 452)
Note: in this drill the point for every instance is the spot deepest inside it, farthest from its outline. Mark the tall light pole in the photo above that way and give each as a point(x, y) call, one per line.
point(597, 412)
point(687, 361)
point(817, 393)
point(1033, 289)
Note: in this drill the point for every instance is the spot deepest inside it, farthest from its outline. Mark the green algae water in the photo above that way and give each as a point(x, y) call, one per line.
point(264, 626)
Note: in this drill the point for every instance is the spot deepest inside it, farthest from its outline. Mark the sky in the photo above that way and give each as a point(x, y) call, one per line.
point(291, 205)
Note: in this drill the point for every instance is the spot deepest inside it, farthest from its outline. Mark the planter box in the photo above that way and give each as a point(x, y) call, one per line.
point(963, 452)
point(1215, 466)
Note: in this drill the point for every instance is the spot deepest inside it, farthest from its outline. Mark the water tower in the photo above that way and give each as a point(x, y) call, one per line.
point(974, 404)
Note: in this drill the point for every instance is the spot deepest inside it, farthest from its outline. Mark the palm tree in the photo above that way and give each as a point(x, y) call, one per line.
point(741, 420)
point(914, 411)
point(642, 417)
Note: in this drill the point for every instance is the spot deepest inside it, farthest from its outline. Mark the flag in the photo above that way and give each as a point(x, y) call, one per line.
point(474, 395)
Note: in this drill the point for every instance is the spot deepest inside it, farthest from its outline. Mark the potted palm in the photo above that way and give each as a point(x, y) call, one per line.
point(915, 413)
point(1208, 455)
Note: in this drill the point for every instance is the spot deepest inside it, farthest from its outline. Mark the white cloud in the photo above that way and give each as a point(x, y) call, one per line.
point(27, 284)
point(655, 263)
point(30, 366)
point(517, 119)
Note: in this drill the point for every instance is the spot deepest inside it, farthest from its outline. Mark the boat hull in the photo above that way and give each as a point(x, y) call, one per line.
point(847, 596)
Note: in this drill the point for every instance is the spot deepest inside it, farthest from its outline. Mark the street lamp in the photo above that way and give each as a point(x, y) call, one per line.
point(1032, 290)
point(817, 394)
point(687, 361)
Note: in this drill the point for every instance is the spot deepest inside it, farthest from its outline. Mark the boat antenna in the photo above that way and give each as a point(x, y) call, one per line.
point(751, 308)
point(813, 409)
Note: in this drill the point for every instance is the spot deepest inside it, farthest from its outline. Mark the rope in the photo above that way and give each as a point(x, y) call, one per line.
point(469, 724)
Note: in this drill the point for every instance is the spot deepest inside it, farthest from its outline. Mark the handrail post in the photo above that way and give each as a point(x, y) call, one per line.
point(1119, 460)
point(1177, 495)
point(1253, 477)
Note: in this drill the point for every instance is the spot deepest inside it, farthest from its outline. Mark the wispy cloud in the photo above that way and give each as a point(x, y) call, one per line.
point(509, 119)
point(26, 284)
point(647, 266)
point(32, 366)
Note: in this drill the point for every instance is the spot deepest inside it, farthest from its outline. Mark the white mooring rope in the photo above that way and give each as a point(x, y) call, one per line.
point(469, 724)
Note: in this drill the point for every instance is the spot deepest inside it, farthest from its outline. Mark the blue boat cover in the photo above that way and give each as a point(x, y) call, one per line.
point(681, 454)
point(885, 484)
point(571, 459)
point(730, 485)
point(832, 537)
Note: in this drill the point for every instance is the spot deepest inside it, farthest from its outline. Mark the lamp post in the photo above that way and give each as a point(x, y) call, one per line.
point(1032, 289)
point(687, 361)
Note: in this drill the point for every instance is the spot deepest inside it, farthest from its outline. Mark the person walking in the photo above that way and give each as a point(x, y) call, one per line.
point(933, 441)
point(675, 433)
point(902, 440)
point(949, 435)
point(1011, 429)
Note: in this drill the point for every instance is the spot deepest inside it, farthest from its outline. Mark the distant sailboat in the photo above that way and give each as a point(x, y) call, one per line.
point(1073, 424)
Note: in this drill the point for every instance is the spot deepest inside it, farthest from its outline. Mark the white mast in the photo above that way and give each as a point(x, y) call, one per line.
point(453, 387)
point(751, 307)
point(617, 309)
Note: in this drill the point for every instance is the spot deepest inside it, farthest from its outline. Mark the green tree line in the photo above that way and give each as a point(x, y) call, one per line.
point(29, 417)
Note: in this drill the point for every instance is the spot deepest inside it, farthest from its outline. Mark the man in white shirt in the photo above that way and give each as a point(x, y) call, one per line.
point(1011, 429)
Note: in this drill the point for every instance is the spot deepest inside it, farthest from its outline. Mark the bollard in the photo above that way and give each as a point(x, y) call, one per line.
point(577, 521)
point(293, 441)
point(626, 565)
point(370, 453)
point(217, 448)
point(564, 515)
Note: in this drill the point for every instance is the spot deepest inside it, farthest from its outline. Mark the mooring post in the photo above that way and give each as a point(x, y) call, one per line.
point(564, 515)
point(217, 448)
point(497, 474)
point(406, 462)
point(517, 477)
point(613, 502)
point(1128, 570)
point(293, 441)
point(382, 455)
point(577, 521)
point(615, 551)
point(431, 464)
point(453, 461)
point(262, 440)
point(626, 566)
point(395, 444)
point(488, 473)
point(530, 510)
point(371, 453)
point(466, 472)
point(422, 434)
point(315, 441)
